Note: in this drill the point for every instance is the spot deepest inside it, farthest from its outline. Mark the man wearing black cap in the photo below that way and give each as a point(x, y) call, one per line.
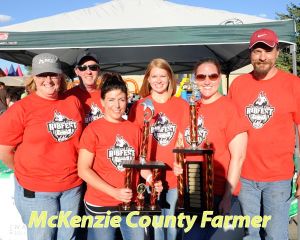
point(87, 70)
point(269, 100)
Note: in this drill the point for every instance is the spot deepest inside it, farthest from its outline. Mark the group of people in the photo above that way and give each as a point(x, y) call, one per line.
point(55, 140)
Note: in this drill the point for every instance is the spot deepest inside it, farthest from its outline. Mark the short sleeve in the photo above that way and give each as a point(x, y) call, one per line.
point(235, 124)
point(88, 139)
point(12, 125)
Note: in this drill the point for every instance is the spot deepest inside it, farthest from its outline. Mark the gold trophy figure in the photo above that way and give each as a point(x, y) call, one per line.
point(140, 200)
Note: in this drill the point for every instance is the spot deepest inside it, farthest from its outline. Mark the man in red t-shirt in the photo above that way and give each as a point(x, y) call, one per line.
point(87, 69)
point(269, 99)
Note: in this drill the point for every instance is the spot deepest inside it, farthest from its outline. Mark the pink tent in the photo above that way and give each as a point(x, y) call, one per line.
point(6, 71)
point(19, 71)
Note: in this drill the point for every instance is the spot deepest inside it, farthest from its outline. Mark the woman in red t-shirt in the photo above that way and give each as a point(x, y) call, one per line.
point(105, 144)
point(39, 138)
point(219, 125)
point(159, 86)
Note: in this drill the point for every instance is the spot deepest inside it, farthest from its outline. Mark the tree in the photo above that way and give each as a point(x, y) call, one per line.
point(285, 59)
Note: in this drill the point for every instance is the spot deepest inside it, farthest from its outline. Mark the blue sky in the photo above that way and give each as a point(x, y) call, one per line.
point(13, 11)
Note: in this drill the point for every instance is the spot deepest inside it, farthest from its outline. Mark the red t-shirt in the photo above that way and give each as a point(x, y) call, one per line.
point(168, 120)
point(46, 133)
point(111, 143)
point(218, 123)
point(90, 101)
point(271, 107)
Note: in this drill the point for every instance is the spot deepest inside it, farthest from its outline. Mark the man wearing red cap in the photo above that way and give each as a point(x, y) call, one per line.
point(269, 100)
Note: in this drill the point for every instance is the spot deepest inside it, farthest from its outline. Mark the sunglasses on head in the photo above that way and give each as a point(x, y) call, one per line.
point(93, 67)
point(212, 77)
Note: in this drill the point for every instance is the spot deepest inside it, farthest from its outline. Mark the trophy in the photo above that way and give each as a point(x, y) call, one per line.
point(142, 163)
point(140, 199)
point(148, 115)
point(195, 185)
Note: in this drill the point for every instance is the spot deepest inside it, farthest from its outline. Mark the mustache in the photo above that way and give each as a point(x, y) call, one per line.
point(262, 62)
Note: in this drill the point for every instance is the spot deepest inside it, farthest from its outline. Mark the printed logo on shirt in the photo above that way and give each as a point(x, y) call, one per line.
point(94, 114)
point(121, 151)
point(202, 132)
point(163, 130)
point(260, 111)
point(61, 128)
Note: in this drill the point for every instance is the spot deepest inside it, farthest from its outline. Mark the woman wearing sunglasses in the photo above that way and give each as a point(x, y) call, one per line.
point(88, 70)
point(219, 125)
point(159, 86)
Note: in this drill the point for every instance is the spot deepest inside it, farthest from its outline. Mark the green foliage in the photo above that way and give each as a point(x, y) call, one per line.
point(285, 59)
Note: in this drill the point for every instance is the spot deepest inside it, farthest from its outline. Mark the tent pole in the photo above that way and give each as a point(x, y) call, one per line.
point(294, 62)
point(293, 49)
point(227, 83)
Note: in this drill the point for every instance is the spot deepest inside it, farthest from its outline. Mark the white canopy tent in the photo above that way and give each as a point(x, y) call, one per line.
point(124, 14)
point(127, 34)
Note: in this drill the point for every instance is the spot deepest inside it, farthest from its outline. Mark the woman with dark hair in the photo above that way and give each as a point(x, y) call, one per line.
point(219, 125)
point(104, 145)
point(159, 86)
point(39, 138)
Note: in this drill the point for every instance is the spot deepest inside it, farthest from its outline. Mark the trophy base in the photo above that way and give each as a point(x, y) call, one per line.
point(191, 150)
point(147, 165)
point(146, 210)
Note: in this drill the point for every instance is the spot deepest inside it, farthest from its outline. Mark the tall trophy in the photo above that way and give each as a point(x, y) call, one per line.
point(195, 185)
point(143, 163)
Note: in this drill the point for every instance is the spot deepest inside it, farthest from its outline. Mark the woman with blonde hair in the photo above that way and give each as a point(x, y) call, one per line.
point(39, 138)
point(159, 86)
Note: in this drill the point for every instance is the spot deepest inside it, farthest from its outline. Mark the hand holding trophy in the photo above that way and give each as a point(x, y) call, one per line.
point(144, 163)
point(195, 185)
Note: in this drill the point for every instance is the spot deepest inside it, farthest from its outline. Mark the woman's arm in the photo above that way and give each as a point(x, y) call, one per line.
point(85, 171)
point(7, 155)
point(237, 148)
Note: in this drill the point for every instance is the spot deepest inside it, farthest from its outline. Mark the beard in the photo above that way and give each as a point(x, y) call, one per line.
point(262, 68)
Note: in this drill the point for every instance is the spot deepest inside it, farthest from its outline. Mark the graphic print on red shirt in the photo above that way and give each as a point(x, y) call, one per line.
point(260, 111)
point(163, 130)
point(61, 127)
point(119, 152)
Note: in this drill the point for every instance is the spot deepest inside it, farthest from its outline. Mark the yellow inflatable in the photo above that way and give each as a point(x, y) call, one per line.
point(181, 86)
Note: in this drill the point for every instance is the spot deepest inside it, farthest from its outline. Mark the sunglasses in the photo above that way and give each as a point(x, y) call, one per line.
point(93, 67)
point(212, 77)
point(46, 75)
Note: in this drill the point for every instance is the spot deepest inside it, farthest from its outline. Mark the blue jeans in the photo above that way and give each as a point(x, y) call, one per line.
point(167, 202)
point(269, 199)
point(210, 233)
point(108, 233)
point(51, 203)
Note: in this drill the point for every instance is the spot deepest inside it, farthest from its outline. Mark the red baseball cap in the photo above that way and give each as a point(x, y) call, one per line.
point(264, 35)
